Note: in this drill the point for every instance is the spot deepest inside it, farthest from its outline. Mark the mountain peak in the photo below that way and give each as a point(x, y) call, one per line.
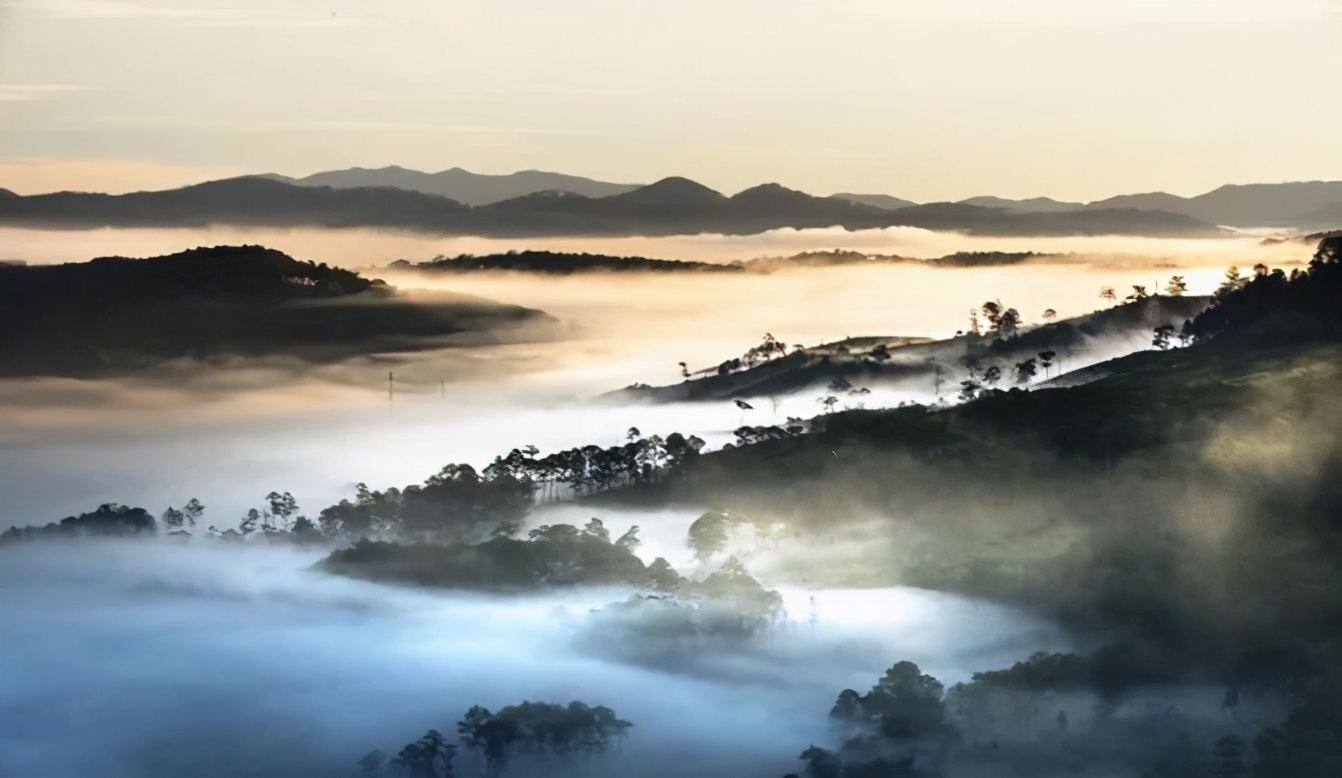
point(673, 191)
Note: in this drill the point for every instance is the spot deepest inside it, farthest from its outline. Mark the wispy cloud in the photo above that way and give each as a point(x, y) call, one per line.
point(30, 93)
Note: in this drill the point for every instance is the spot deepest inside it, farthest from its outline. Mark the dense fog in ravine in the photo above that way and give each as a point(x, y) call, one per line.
point(215, 661)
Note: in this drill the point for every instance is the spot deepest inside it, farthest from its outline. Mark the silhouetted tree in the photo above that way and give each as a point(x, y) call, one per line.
point(1161, 336)
point(1046, 360)
point(429, 757)
point(1138, 293)
point(1107, 293)
point(1176, 286)
point(1025, 371)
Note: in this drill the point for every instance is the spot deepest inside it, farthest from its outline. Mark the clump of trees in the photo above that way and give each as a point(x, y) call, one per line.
point(550, 555)
point(540, 732)
point(1056, 713)
point(109, 520)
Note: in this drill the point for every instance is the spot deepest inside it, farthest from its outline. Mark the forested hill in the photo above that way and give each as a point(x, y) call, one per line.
point(558, 263)
point(113, 315)
point(233, 273)
point(562, 263)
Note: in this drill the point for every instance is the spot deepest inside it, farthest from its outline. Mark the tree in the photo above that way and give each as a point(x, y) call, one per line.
point(172, 518)
point(282, 506)
point(1176, 286)
point(969, 390)
point(1050, 314)
point(251, 522)
point(1107, 293)
point(1002, 321)
point(992, 375)
point(1025, 371)
point(1162, 335)
point(1233, 281)
point(596, 530)
point(370, 766)
point(629, 540)
point(1046, 360)
point(1139, 293)
point(429, 757)
point(684, 370)
point(829, 401)
point(193, 511)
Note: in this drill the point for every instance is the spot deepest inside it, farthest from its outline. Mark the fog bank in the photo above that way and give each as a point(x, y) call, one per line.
point(154, 660)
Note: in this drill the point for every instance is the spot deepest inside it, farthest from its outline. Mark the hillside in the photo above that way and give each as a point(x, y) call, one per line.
point(919, 363)
point(116, 315)
point(1186, 503)
point(669, 207)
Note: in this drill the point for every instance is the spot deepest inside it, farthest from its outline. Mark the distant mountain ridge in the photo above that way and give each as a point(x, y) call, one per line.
point(457, 184)
point(672, 206)
point(1309, 205)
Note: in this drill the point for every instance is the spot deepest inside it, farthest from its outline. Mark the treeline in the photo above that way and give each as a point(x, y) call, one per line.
point(558, 263)
point(458, 503)
point(541, 732)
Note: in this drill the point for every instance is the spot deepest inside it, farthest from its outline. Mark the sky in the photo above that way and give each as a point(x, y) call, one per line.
point(923, 99)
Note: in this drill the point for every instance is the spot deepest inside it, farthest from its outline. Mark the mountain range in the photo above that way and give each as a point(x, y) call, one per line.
point(1311, 205)
point(671, 206)
point(463, 186)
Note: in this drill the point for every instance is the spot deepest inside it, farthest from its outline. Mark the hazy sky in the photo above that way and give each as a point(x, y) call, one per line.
point(925, 99)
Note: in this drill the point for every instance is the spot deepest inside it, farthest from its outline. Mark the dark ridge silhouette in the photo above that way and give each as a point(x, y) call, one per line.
point(460, 185)
point(886, 202)
point(1031, 205)
point(559, 263)
point(555, 263)
point(1306, 204)
point(245, 201)
point(113, 315)
point(671, 206)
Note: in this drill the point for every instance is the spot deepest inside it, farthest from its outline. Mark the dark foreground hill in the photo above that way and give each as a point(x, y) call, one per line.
point(114, 314)
point(672, 206)
point(1189, 500)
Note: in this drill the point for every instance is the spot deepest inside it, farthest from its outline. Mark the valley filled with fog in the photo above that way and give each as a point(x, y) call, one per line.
point(209, 655)
point(315, 430)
